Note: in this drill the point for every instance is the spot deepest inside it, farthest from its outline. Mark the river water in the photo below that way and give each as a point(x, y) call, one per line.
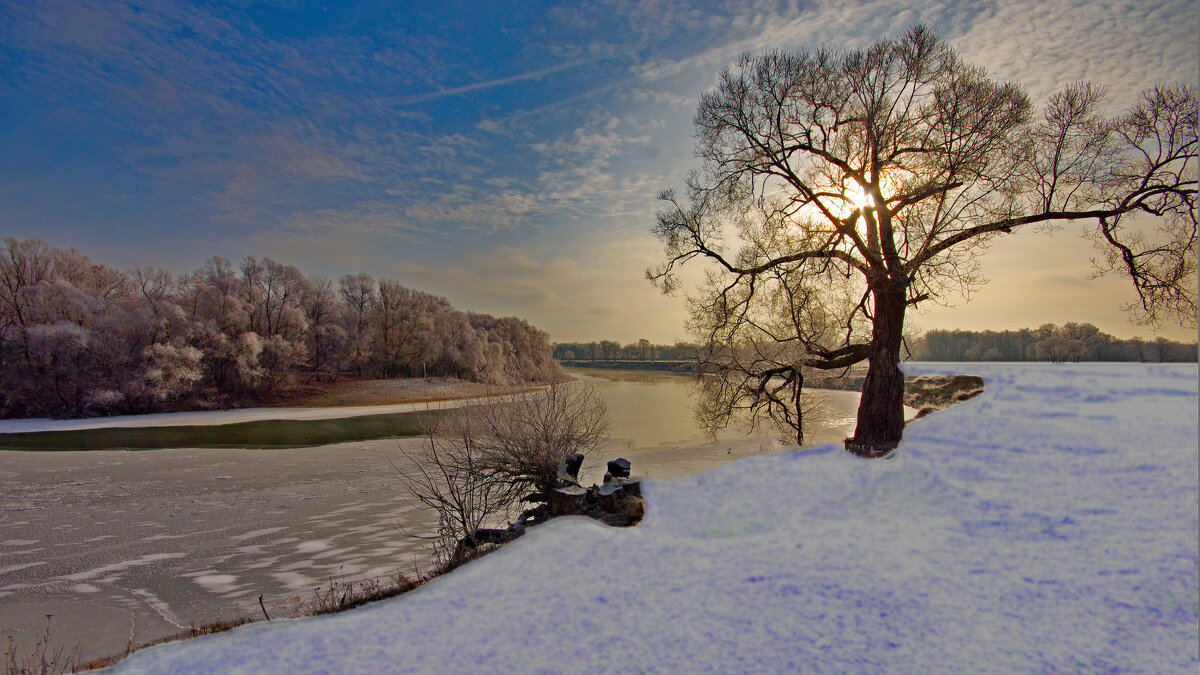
point(127, 546)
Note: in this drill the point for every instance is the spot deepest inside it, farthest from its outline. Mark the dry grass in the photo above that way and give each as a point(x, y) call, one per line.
point(42, 658)
point(339, 596)
point(192, 632)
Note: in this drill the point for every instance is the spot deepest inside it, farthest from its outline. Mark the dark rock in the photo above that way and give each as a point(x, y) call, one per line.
point(608, 496)
point(619, 467)
point(617, 487)
point(537, 514)
point(610, 488)
point(484, 535)
point(571, 465)
point(488, 535)
point(618, 505)
point(632, 486)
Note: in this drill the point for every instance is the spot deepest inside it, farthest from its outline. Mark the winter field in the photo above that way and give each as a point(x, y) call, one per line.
point(1049, 525)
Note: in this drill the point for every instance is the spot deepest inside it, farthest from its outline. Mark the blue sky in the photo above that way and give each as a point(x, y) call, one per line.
point(505, 155)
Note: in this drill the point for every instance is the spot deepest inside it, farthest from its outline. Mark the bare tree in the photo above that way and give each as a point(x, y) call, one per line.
point(887, 170)
point(479, 463)
point(527, 437)
point(23, 265)
point(448, 477)
point(326, 338)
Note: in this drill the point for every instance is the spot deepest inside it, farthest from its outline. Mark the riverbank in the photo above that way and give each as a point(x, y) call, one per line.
point(353, 396)
point(1014, 512)
point(657, 366)
point(358, 398)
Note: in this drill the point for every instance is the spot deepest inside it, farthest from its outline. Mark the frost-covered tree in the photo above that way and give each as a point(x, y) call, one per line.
point(79, 338)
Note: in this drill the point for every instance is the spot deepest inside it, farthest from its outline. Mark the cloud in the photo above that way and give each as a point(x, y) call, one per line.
point(335, 241)
point(91, 26)
point(475, 208)
point(282, 173)
point(1122, 43)
point(595, 142)
point(1126, 46)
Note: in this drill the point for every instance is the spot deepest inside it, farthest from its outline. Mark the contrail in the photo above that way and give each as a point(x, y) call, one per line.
point(475, 86)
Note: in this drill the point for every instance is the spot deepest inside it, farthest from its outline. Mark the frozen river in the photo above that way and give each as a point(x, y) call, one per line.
point(130, 546)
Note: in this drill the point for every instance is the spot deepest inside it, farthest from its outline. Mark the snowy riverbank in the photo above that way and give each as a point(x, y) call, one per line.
point(438, 401)
point(1047, 525)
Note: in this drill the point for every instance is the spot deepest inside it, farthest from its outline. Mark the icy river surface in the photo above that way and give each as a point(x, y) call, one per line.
point(127, 547)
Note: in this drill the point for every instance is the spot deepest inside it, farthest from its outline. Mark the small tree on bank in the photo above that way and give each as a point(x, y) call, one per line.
point(479, 463)
point(525, 438)
point(888, 170)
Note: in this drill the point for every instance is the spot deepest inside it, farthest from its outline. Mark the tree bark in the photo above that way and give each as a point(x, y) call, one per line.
point(881, 408)
point(797, 389)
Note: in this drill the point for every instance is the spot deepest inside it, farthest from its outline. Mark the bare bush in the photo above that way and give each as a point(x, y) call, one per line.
point(479, 463)
point(448, 477)
point(525, 438)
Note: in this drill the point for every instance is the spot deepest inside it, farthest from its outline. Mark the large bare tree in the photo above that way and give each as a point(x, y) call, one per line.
point(889, 169)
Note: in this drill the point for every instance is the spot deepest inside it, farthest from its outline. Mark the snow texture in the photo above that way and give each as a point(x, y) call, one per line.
point(1049, 525)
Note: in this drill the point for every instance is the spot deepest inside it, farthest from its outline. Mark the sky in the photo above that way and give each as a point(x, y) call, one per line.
point(506, 156)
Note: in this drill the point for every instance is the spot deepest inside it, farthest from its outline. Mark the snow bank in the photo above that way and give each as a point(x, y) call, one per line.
point(234, 416)
point(1048, 525)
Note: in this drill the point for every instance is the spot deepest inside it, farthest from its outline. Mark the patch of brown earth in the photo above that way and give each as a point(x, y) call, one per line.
point(930, 393)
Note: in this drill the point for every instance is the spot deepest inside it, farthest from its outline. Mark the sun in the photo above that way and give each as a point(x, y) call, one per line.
point(858, 198)
point(851, 198)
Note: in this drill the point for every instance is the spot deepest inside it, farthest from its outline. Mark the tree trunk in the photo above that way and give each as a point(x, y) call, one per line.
point(881, 408)
point(797, 390)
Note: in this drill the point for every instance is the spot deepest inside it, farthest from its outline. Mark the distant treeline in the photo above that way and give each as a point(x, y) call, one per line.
point(80, 338)
point(1069, 342)
point(608, 350)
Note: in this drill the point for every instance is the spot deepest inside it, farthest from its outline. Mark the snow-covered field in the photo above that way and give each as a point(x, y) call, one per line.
point(1049, 525)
